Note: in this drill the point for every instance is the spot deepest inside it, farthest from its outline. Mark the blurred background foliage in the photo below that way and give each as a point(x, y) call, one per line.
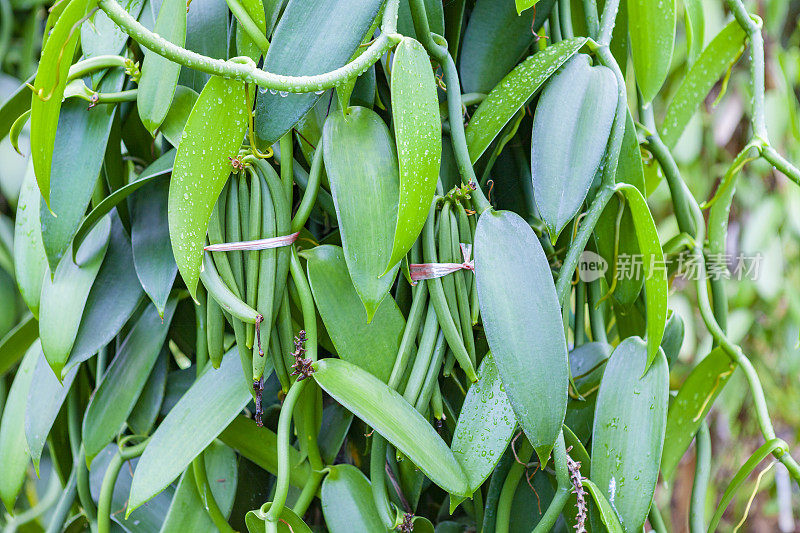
point(765, 222)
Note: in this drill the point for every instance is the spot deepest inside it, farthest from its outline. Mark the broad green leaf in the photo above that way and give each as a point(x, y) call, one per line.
point(112, 299)
point(418, 136)
point(651, 26)
point(44, 402)
point(178, 114)
point(213, 134)
point(145, 411)
point(362, 169)
point(485, 425)
point(655, 271)
point(522, 320)
point(64, 296)
point(13, 448)
point(152, 254)
point(80, 146)
point(245, 45)
point(395, 419)
point(207, 34)
point(517, 88)
point(720, 55)
point(695, 24)
point(101, 36)
point(433, 10)
point(49, 85)
point(159, 74)
point(146, 519)
point(30, 261)
point(373, 346)
point(690, 407)
point(16, 342)
point(570, 132)
point(764, 451)
point(302, 45)
point(586, 364)
point(159, 167)
point(259, 445)
point(607, 514)
point(495, 39)
point(117, 393)
point(522, 5)
point(347, 502)
point(199, 416)
point(187, 512)
point(628, 435)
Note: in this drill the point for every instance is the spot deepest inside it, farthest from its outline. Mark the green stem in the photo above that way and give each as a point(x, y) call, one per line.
point(50, 498)
point(656, 520)
point(287, 149)
point(563, 489)
point(503, 520)
point(597, 321)
point(607, 21)
point(565, 19)
point(245, 69)
point(109, 480)
point(306, 304)
point(778, 161)
point(61, 511)
point(590, 14)
point(310, 194)
point(702, 471)
point(85, 67)
point(284, 433)
point(752, 26)
point(206, 496)
point(246, 23)
point(581, 238)
point(377, 476)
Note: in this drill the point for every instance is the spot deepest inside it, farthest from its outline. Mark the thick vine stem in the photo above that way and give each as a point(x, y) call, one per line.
point(109, 480)
point(247, 71)
point(607, 22)
point(563, 489)
point(702, 472)
point(778, 161)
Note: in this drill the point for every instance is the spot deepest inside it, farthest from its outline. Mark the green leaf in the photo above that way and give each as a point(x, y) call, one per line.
point(30, 261)
point(571, 126)
point(302, 45)
point(159, 167)
point(259, 445)
point(178, 114)
point(288, 523)
point(607, 514)
point(152, 254)
point(187, 512)
point(44, 402)
point(159, 74)
point(494, 40)
point(372, 346)
point(691, 405)
point(522, 320)
point(522, 5)
point(245, 46)
point(64, 296)
point(434, 11)
point(112, 299)
point(347, 502)
point(16, 342)
point(17, 103)
point(206, 34)
point(101, 36)
point(213, 134)
point(628, 435)
point(80, 146)
point(485, 425)
point(418, 136)
point(655, 281)
point(362, 169)
point(144, 413)
point(517, 88)
point(764, 451)
point(13, 448)
point(117, 393)
point(51, 79)
point(673, 339)
point(720, 55)
point(695, 23)
point(586, 364)
point(395, 419)
point(651, 26)
point(215, 399)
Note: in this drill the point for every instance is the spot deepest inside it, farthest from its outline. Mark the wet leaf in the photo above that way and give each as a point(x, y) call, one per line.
point(651, 26)
point(628, 435)
point(522, 320)
point(361, 164)
point(347, 502)
point(418, 136)
point(30, 261)
point(213, 134)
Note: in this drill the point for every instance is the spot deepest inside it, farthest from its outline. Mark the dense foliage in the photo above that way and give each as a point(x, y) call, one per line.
point(414, 265)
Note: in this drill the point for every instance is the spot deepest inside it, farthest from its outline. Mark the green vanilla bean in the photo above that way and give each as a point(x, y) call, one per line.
point(463, 317)
point(523, 455)
point(702, 473)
